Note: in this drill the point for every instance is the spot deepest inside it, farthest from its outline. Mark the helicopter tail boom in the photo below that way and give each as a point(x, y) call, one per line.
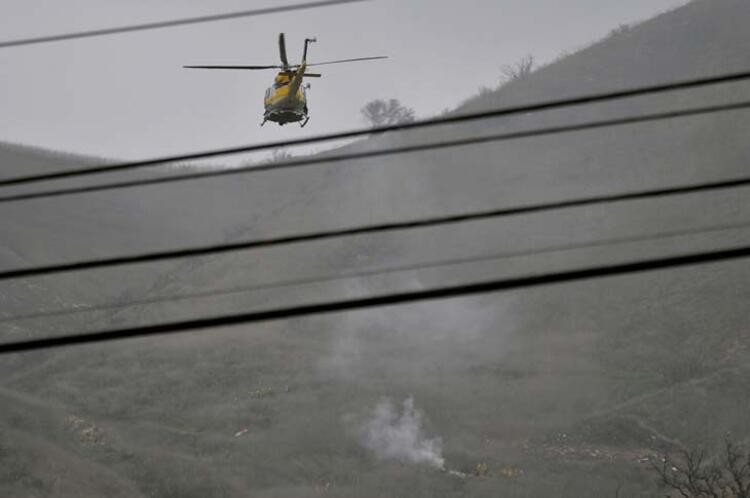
point(296, 82)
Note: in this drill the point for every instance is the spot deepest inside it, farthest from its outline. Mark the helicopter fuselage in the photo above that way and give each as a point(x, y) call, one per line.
point(286, 100)
point(283, 107)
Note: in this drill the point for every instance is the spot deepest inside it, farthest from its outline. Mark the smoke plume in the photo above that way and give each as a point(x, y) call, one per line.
point(391, 434)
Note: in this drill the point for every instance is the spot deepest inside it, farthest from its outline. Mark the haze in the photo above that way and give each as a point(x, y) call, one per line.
point(111, 96)
point(585, 389)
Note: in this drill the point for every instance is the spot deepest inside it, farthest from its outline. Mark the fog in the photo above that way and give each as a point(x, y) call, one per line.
point(565, 390)
point(111, 96)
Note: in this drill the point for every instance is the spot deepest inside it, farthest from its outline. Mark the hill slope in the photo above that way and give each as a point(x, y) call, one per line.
point(561, 391)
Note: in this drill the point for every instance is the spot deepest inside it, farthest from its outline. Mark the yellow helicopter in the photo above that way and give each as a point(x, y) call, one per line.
point(286, 100)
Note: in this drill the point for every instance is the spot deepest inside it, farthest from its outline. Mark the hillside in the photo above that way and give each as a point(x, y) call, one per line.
point(562, 391)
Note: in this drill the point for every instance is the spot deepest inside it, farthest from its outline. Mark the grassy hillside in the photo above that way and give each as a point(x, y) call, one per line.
point(563, 391)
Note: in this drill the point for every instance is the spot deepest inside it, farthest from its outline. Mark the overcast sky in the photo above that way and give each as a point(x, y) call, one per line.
point(126, 96)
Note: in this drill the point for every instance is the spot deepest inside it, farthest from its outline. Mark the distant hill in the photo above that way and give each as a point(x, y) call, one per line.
point(561, 391)
point(703, 38)
point(17, 160)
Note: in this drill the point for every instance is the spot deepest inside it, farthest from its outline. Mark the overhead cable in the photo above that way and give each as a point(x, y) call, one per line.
point(172, 23)
point(401, 298)
point(352, 156)
point(435, 221)
point(427, 123)
point(373, 272)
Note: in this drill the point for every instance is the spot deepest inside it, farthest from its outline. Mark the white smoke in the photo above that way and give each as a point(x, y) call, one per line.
point(399, 436)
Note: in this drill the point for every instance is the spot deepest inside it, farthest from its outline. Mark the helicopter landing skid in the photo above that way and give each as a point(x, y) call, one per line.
point(286, 118)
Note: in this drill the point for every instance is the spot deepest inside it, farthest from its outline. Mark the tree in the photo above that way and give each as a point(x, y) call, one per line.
point(383, 113)
point(517, 71)
point(692, 474)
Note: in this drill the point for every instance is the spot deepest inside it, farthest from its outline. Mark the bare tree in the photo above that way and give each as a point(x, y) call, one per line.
point(620, 30)
point(693, 474)
point(383, 113)
point(520, 70)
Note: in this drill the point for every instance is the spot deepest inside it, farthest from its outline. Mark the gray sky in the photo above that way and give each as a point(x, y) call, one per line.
point(126, 96)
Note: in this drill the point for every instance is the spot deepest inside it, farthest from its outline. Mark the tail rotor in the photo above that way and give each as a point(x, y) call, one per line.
point(308, 41)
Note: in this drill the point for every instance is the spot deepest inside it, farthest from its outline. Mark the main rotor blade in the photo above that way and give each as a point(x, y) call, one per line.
point(282, 51)
point(233, 67)
point(349, 60)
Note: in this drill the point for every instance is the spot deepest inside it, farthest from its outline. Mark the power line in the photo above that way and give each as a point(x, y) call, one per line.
point(370, 229)
point(297, 163)
point(445, 120)
point(173, 23)
point(455, 291)
point(377, 272)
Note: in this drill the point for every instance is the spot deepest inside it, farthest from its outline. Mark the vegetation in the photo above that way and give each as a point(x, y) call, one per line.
point(383, 113)
point(693, 474)
point(520, 70)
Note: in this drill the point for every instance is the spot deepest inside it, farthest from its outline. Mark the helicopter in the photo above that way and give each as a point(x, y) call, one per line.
point(286, 100)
